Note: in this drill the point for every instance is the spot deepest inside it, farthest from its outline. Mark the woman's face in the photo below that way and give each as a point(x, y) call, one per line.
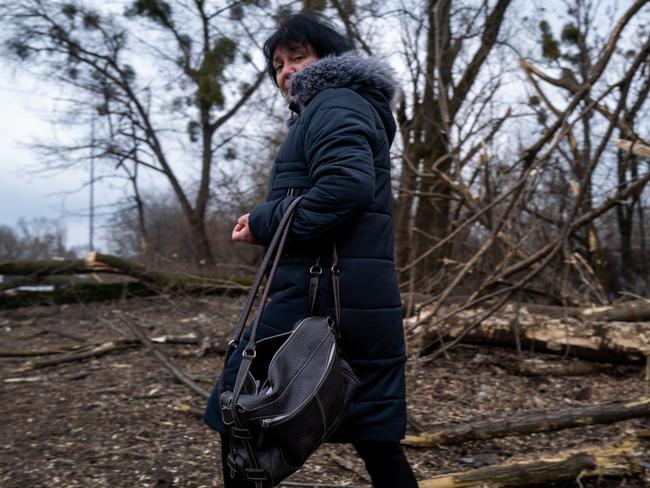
point(288, 60)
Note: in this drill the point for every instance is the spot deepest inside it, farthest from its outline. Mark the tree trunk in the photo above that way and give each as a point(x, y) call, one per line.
point(532, 422)
point(634, 311)
point(432, 214)
point(200, 243)
point(573, 464)
point(46, 268)
point(148, 282)
point(432, 210)
point(619, 342)
point(403, 218)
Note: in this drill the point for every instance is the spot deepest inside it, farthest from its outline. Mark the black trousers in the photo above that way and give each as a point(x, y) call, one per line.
point(385, 461)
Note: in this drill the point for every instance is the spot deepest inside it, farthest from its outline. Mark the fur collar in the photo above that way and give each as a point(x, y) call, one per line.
point(349, 69)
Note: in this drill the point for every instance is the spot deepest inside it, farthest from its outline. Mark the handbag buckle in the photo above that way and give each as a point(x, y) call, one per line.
point(225, 402)
point(249, 353)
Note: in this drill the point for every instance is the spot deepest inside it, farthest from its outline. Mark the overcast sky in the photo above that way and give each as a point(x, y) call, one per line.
point(24, 193)
point(27, 104)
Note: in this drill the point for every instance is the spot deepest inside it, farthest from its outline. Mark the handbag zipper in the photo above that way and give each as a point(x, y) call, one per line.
point(284, 344)
point(267, 422)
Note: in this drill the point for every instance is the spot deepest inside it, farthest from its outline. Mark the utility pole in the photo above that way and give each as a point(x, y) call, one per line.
point(91, 237)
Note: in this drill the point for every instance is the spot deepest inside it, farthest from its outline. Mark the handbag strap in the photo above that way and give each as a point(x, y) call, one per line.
point(276, 246)
point(315, 271)
point(278, 240)
point(283, 228)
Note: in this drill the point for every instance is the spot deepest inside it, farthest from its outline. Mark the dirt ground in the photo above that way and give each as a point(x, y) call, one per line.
point(117, 420)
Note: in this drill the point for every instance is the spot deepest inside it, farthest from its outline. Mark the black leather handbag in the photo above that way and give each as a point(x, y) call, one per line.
point(291, 390)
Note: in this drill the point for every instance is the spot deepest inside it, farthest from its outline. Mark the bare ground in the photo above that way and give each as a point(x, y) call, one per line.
point(118, 420)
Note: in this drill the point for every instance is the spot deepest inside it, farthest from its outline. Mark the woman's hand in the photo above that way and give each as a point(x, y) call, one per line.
point(242, 231)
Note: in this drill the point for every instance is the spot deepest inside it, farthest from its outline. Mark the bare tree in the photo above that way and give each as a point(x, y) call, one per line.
point(487, 179)
point(442, 85)
point(39, 238)
point(570, 64)
point(153, 76)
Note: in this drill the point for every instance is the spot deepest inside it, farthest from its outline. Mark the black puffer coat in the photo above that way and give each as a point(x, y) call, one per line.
point(337, 154)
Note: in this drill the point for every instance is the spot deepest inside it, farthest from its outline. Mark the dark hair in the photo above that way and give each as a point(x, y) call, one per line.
point(311, 28)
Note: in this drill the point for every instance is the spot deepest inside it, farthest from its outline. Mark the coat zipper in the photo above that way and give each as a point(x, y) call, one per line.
point(268, 422)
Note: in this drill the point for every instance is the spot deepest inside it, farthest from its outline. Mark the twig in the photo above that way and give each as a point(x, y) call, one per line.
point(307, 484)
point(350, 466)
point(183, 407)
point(190, 338)
point(123, 450)
point(182, 377)
point(96, 351)
point(647, 374)
point(67, 335)
point(415, 424)
point(24, 379)
point(22, 353)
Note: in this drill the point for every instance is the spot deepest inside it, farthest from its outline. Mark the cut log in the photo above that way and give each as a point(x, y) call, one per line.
point(616, 342)
point(635, 311)
point(533, 422)
point(574, 464)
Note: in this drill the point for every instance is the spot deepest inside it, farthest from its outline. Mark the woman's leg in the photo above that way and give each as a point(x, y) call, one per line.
point(228, 482)
point(387, 464)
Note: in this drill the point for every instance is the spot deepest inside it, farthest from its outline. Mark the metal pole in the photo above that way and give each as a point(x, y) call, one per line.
point(91, 238)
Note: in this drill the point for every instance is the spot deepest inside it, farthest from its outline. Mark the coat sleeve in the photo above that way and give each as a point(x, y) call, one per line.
point(340, 163)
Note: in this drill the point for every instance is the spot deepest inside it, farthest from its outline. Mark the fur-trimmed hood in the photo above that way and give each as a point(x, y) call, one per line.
point(337, 158)
point(351, 69)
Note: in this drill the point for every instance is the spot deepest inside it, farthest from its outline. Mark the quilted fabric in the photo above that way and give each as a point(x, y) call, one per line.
point(336, 154)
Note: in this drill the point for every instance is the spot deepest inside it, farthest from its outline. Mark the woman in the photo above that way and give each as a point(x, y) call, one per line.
point(336, 154)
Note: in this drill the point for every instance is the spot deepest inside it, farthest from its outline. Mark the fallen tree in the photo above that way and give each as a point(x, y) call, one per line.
point(618, 342)
point(532, 422)
point(75, 293)
point(632, 311)
point(540, 367)
point(623, 460)
point(136, 281)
